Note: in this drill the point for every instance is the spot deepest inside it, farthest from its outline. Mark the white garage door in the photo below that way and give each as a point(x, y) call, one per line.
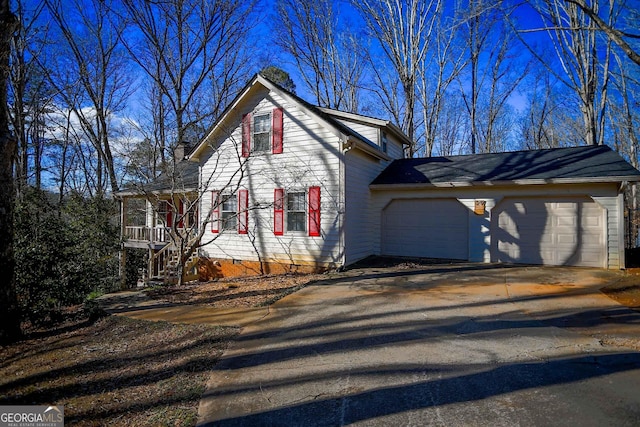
point(429, 228)
point(563, 231)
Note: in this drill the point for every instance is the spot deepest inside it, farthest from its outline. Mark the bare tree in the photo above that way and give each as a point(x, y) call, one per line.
point(28, 97)
point(617, 35)
point(583, 58)
point(97, 64)
point(440, 66)
point(549, 119)
point(194, 53)
point(492, 73)
point(9, 317)
point(405, 30)
point(326, 53)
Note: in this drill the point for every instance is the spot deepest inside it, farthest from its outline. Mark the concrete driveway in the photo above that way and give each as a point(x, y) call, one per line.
point(447, 345)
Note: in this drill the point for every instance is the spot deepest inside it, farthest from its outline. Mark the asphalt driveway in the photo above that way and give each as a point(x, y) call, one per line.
point(466, 344)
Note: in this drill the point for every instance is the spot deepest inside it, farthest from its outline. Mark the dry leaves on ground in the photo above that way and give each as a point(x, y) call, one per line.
point(239, 292)
point(117, 371)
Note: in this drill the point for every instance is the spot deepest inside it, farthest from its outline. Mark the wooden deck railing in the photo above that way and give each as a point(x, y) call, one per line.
point(141, 233)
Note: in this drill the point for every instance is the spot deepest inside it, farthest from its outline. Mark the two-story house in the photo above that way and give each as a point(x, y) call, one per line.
point(283, 185)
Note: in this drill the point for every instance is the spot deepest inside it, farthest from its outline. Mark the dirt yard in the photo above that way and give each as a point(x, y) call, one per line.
point(627, 290)
point(239, 292)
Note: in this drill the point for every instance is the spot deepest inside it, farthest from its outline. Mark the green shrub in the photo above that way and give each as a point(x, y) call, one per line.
point(63, 252)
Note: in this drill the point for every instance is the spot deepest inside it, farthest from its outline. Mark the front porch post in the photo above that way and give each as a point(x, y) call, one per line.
point(151, 224)
point(123, 249)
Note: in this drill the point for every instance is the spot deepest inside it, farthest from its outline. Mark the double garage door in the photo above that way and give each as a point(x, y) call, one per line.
point(549, 231)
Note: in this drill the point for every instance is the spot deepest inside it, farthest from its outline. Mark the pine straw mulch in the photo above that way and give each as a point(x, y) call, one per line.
point(116, 371)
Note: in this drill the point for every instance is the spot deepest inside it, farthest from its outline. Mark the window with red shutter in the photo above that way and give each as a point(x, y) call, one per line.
point(215, 211)
point(243, 211)
point(246, 135)
point(278, 212)
point(314, 211)
point(277, 118)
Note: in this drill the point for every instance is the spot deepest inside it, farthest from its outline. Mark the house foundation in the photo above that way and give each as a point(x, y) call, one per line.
point(216, 268)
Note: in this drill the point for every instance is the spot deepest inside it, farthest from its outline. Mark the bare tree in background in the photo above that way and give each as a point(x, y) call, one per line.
point(9, 317)
point(93, 60)
point(28, 93)
point(405, 30)
point(623, 35)
point(440, 66)
point(194, 54)
point(492, 73)
point(327, 55)
point(584, 58)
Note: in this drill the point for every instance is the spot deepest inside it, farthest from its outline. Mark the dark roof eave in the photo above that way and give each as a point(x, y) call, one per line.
point(163, 192)
point(588, 180)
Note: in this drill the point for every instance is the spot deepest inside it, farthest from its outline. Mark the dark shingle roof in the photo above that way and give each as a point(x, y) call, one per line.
point(184, 177)
point(585, 164)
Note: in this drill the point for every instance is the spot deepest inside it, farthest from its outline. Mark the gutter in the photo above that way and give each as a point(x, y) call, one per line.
point(351, 143)
point(463, 184)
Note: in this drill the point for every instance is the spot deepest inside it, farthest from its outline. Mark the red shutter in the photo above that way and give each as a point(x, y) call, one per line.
point(215, 212)
point(243, 211)
point(277, 118)
point(169, 214)
point(180, 213)
point(246, 135)
point(278, 212)
point(314, 211)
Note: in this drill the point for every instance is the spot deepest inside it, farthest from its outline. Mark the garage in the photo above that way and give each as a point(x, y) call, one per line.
point(429, 228)
point(550, 231)
point(559, 206)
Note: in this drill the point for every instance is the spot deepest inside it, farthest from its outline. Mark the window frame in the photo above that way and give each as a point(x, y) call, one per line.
point(268, 142)
point(224, 217)
point(288, 211)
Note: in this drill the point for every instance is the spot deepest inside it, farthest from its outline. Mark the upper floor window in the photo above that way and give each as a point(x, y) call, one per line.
point(262, 132)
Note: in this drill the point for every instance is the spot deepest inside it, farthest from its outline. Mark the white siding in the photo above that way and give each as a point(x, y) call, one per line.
point(360, 170)
point(395, 149)
point(310, 158)
point(615, 233)
point(369, 132)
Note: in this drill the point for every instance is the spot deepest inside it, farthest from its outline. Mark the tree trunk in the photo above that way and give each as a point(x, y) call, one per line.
point(9, 314)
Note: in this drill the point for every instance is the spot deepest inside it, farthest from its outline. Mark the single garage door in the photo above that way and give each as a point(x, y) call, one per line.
point(429, 228)
point(562, 231)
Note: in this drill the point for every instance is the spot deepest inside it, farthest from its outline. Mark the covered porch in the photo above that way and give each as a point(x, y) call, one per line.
point(167, 226)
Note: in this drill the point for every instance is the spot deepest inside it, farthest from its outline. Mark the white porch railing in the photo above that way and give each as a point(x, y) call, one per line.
point(141, 233)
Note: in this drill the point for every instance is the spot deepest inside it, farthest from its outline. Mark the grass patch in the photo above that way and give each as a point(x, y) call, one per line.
point(115, 371)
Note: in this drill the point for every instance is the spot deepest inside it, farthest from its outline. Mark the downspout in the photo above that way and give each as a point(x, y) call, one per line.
point(621, 224)
point(345, 147)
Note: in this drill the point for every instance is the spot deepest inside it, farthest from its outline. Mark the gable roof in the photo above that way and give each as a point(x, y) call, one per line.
point(324, 116)
point(557, 165)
